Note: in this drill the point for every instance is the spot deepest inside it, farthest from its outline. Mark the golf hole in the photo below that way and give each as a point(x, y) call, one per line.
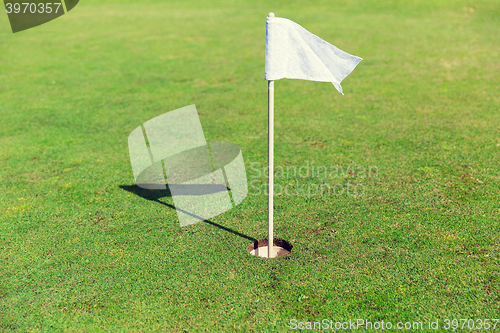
point(280, 248)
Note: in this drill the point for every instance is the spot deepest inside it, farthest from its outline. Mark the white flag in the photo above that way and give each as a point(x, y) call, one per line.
point(293, 52)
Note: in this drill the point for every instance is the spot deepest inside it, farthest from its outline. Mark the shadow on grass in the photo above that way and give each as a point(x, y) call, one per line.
point(155, 195)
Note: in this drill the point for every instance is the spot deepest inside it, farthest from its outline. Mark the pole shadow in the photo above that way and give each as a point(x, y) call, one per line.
point(155, 195)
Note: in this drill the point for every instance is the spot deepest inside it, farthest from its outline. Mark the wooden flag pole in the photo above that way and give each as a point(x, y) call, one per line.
point(270, 237)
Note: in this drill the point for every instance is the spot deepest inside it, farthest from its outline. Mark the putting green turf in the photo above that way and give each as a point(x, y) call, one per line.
point(80, 254)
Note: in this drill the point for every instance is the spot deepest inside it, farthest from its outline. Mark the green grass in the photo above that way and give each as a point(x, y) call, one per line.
point(79, 254)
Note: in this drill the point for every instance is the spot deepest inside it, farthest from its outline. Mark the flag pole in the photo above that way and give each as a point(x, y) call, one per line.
point(270, 125)
point(270, 238)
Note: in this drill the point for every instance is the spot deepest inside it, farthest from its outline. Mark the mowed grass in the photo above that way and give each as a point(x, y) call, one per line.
point(80, 254)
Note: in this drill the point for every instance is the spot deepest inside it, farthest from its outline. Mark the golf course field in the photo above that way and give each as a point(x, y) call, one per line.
point(389, 194)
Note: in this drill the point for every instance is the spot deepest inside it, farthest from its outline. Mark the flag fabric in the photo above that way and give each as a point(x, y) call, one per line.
point(292, 52)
